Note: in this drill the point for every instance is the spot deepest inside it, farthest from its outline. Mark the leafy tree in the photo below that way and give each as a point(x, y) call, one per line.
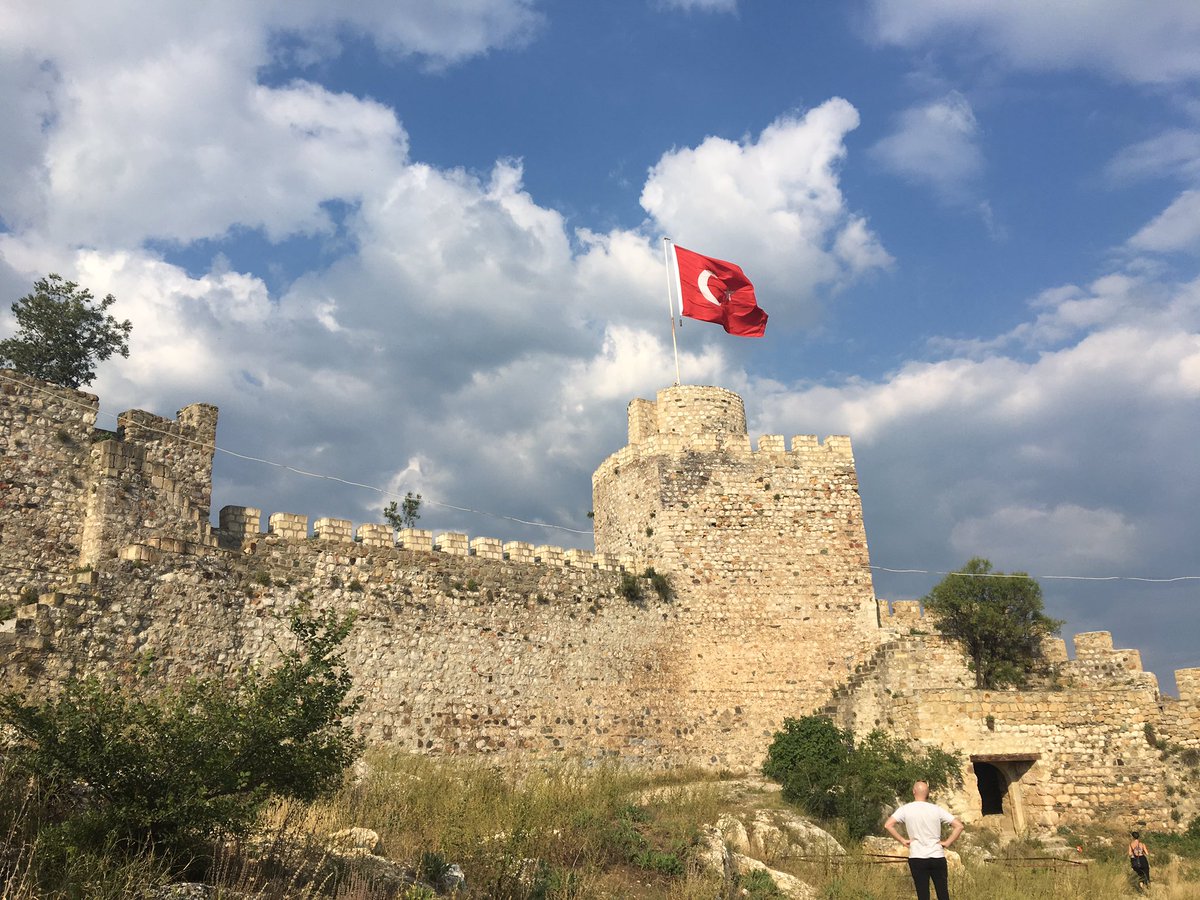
point(62, 333)
point(996, 618)
point(408, 513)
point(135, 769)
point(822, 769)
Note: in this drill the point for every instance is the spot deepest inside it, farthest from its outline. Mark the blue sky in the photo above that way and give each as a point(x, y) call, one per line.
point(418, 246)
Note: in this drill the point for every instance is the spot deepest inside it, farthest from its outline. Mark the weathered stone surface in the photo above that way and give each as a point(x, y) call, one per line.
point(789, 885)
point(355, 841)
point(512, 649)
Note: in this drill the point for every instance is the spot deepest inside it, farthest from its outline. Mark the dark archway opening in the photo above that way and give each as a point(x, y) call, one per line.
point(992, 787)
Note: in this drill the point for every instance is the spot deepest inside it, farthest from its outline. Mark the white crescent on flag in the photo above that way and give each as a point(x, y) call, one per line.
point(702, 283)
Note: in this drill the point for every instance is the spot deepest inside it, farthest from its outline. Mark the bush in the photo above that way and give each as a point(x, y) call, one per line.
point(631, 589)
point(661, 585)
point(822, 769)
point(137, 769)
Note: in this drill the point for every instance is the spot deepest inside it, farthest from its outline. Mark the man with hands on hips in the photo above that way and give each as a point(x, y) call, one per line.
point(926, 849)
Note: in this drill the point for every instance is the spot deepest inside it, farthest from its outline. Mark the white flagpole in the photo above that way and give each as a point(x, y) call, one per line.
point(670, 304)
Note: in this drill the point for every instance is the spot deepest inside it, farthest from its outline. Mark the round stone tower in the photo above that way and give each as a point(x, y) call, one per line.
point(765, 547)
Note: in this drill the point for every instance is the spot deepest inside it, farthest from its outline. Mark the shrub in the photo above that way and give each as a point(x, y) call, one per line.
point(631, 589)
point(132, 769)
point(661, 585)
point(822, 769)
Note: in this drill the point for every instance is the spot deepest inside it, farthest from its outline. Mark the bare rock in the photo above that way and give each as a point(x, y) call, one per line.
point(789, 885)
point(354, 842)
point(734, 833)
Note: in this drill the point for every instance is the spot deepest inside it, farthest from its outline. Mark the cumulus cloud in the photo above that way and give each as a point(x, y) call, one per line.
point(1074, 460)
point(1150, 43)
point(936, 145)
point(106, 122)
point(465, 342)
point(774, 204)
point(1176, 228)
point(1066, 538)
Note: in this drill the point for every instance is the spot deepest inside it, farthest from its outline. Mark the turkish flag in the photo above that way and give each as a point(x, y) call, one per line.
point(713, 290)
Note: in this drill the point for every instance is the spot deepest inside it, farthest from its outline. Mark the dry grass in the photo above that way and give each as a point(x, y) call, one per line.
point(536, 833)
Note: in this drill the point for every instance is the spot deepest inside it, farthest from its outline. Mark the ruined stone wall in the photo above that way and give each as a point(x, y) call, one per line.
point(1081, 745)
point(453, 653)
point(72, 494)
point(45, 452)
point(152, 483)
point(766, 548)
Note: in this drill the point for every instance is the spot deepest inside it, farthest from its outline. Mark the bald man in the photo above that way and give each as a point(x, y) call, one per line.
point(926, 849)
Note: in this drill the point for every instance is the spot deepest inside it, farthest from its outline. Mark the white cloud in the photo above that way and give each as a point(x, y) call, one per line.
point(726, 6)
point(773, 205)
point(1131, 40)
point(1068, 538)
point(1173, 153)
point(157, 127)
point(936, 145)
point(1176, 228)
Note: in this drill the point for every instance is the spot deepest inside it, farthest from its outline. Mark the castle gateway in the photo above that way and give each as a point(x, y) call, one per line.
point(483, 646)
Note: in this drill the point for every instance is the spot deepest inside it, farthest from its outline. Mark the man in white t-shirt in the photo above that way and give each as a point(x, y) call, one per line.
point(926, 849)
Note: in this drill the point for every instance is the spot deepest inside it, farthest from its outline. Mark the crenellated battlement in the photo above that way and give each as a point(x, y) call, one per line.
point(1095, 661)
point(241, 531)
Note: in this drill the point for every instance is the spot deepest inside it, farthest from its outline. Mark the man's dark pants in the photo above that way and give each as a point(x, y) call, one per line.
point(923, 870)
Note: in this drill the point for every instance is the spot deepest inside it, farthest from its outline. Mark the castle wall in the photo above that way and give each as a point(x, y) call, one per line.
point(452, 653)
point(766, 549)
point(475, 645)
point(1081, 743)
point(151, 483)
point(45, 452)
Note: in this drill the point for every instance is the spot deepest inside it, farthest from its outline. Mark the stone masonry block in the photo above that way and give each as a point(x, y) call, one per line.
point(606, 562)
point(326, 529)
point(579, 558)
point(1093, 643)
point(414, 539)
point(376, 535)
point(488, 548)
point(454, 542)
point(138, 553)
point(288, 526)
point(1188, 683)
point(1054, 650)
point(519, 551)
point(547, 555)
point(771, 443)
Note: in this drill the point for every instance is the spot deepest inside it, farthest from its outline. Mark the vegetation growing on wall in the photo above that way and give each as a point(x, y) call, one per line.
point(997, 619)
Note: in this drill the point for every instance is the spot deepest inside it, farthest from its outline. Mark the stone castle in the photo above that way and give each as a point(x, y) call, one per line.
point(110, 565)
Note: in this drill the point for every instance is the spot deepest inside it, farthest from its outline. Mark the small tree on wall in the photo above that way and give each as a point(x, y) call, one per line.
point(996, 618)
point(62, 333)
point(407, 514)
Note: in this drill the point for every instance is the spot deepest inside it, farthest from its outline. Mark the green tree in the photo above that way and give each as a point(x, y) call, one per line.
point(997, 618)
point(822, 769)
point(133, 768)
point(62, 333)
point(407, 514)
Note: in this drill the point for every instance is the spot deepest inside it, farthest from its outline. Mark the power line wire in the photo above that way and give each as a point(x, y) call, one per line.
point(289, 468)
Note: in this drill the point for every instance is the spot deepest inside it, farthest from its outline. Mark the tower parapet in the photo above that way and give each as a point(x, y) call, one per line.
point(765, 546)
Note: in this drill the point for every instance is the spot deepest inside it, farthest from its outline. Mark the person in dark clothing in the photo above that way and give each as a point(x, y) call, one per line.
point(1139, 859)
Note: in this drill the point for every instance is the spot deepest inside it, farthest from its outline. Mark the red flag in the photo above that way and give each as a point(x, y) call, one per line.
point(713, 290)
